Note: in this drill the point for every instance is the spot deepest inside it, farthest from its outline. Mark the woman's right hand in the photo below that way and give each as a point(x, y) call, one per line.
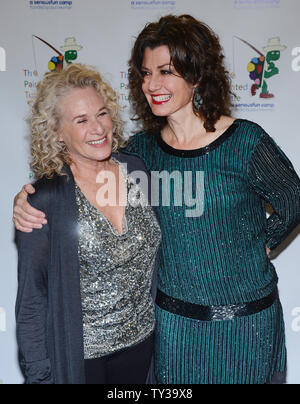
point(25, 217)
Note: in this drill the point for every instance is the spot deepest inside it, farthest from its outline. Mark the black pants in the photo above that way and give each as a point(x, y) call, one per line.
point(129, 366)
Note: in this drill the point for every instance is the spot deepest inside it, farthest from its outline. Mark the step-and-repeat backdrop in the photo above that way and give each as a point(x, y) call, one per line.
point(35, 35)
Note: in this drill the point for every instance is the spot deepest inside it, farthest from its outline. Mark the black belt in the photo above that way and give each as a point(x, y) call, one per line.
point(214, 313)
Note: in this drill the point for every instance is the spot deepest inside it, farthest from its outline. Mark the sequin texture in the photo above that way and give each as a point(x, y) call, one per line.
point(116, 274)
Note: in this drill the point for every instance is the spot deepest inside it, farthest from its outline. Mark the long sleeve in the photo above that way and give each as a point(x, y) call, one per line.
point(31, 305)
point(273, 177)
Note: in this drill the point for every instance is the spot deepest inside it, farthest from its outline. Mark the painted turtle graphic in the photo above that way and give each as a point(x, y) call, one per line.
point(262, 67)
point(59, 61)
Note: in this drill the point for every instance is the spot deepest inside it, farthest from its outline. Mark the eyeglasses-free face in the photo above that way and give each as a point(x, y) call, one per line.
point(166, 91)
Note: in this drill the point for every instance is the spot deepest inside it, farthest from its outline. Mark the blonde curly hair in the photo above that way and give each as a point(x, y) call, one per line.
point(49, 154)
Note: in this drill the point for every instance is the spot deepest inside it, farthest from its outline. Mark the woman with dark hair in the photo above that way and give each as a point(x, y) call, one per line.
point(219, 318)
point(196, 56)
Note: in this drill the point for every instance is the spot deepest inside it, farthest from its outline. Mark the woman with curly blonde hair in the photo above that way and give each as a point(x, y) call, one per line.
point(48, 155)
point(85, 310)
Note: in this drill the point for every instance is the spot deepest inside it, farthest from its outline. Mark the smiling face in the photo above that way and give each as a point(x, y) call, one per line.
point(85, 125)
point(166, 91)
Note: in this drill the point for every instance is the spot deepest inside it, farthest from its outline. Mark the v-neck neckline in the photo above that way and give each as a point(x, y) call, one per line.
point(101, 214)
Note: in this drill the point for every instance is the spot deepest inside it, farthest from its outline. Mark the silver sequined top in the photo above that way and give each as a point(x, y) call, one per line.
point(116, 274)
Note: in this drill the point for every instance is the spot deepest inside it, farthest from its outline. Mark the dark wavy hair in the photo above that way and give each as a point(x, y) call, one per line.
point(197, 56)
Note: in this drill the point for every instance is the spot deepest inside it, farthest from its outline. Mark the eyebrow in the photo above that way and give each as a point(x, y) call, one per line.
point(84, 115)
point(159, 67)
point(166, 64)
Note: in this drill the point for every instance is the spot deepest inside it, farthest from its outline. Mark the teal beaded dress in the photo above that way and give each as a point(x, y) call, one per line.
point(218, 257)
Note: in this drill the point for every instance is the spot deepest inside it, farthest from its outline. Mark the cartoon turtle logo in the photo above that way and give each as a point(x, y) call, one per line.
point(262, 67)
point(70, 49)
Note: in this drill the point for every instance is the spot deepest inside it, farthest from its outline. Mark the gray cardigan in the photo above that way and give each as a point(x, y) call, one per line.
point(48, 308)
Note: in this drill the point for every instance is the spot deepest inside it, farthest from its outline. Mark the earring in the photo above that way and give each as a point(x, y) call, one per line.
point(197, 101)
